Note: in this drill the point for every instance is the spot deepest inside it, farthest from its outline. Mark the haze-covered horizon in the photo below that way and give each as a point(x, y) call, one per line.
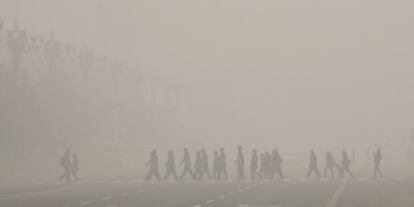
point(290, 74)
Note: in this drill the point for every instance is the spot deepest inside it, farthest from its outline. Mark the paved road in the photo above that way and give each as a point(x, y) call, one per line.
point(137, 193)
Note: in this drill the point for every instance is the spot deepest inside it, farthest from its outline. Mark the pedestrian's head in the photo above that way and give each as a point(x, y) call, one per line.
point(185, 150)
point(216, 152)
point(239, 147)
point(67, 151)
point(170, 152)
point(221, 149)
point(255, 151)
point(379, 150)
point(75, 156)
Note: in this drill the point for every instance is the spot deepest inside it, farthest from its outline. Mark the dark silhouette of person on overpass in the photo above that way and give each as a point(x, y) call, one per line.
point(67, 166)
point(187, 164)
point(377, 162)
point(170, 165)
point(153, 166)
point(313, 165)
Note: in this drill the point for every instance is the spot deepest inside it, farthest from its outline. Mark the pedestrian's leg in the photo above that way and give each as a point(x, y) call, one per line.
point(67, 173)
point(175, 175)
point(150, 174)
point(350, 173)
point(183, 174)
point(332, 172)
point(62, 176)
point(157, 174)
point(167, 174)
point(317, 173)
point(309, 172)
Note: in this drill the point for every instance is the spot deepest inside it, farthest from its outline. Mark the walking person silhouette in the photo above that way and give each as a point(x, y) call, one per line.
point(313, 165)
point(277, 164)
point(330, 164)
point(222, 166)
point(153, 167)
point(67, 166)
point(240, 164)
point(216, 165)
point(198, 166)
point(204, 164)
point(377, 162)
point(170, 165)
point(262, 169)
point(254, 164)
point(187, 165)
point(345, 164)
point(75, 167)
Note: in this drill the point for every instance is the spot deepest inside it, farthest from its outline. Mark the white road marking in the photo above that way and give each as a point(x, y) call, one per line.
point(140, 191)
point(232, 193)
point(85, 202)
point(136, 181)
point(197, 206)
point(335, 198)
point(107, 198)
point(222, 196)
point(243, 205)
point(124, 194)
point(117, 181)
point(210, 201)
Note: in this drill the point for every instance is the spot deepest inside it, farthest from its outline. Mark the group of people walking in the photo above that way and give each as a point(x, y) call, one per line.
point(270, 165)
point(69, 162)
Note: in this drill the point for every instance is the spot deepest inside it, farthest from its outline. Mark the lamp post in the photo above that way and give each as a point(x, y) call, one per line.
point(16, 42)
point(52, 52)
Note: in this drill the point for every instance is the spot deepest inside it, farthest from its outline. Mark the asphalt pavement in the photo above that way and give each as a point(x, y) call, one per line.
point(360, 192)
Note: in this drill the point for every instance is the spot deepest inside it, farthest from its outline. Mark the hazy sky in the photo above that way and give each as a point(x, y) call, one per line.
point(286, 70)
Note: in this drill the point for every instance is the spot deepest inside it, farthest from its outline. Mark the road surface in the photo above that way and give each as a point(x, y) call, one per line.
point(388, 192)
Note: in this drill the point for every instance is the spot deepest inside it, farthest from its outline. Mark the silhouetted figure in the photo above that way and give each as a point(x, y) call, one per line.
point(267, 166)
point(277, 164)
point(240, 164)
point(75, 167)
point(170, 165)
point(86, 64)
point(313, 165)
point(198, 170)
point(223, 165)
point(377, 162)
point(254, 164)
point(204, 164)
point(216, 165)
point(345, 163)
point(187, 164)
point(330, 164)
point(67, 166)
point(262, 170)
point(153, 166)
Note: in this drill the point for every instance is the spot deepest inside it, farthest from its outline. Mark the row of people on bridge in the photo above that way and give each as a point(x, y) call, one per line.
point(270, 165)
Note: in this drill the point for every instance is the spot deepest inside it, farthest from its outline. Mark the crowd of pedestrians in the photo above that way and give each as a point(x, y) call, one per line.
point(266, 166)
